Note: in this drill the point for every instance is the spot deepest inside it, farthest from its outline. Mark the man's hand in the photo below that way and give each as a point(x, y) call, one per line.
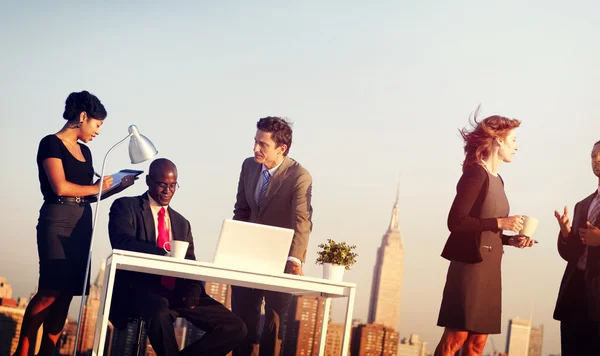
point(128, 180)
point(292, 267)
point(563, 222)
point(590, 236)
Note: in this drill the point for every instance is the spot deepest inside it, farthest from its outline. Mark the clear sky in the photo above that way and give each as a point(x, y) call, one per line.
point(375, 91)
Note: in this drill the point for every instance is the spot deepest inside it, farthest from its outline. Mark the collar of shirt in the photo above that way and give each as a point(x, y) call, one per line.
point(272, 170)
point(261, 178)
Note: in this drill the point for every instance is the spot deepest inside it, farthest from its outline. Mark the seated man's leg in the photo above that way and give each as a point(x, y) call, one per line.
point(223, 329)
point(246, 303)
point(276, 306)
point(154, 309)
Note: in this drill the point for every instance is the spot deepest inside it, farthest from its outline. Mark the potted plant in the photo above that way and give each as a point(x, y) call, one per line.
point(335, 258)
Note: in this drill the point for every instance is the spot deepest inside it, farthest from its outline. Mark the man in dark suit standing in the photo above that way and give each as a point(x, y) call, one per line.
point(144, 224)
point(578, 304)
point(273, 190)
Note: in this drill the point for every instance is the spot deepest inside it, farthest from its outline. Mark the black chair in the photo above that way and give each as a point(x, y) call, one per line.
point(137, 341)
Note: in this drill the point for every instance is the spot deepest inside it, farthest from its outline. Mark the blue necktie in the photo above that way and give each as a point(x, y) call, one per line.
point(263, 187)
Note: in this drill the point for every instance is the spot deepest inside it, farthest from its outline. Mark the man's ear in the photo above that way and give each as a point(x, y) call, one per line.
point(283, 148)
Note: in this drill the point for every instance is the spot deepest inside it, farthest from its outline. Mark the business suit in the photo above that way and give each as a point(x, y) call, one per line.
point(578, 303)
point(132, 227)
point(287, 204)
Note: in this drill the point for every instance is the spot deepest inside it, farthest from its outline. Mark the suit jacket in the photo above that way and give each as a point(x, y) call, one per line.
point(131, 227)
point(287, 201)
point(570, 249)
point(464, 219)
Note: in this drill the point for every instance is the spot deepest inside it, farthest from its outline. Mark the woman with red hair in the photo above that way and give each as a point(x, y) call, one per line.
point(472, 300)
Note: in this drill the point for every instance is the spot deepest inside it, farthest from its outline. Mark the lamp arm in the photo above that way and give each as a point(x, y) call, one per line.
point(87, 268)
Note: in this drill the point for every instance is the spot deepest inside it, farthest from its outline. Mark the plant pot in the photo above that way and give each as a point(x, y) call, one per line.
point(333, 272)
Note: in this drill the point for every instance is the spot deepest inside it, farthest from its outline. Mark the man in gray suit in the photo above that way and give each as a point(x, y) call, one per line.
point(273, 190)
point(578, 304)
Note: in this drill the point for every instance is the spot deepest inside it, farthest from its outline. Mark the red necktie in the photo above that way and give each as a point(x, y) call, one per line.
point(163, 237)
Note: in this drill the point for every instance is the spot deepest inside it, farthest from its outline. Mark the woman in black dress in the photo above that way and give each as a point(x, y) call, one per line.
point(64, 226)
point(471, 305)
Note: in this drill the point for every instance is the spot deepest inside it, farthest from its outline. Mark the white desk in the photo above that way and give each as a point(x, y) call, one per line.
point(202, 271)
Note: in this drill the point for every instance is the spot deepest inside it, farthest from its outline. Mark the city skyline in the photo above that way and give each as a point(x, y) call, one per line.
point(373, 91)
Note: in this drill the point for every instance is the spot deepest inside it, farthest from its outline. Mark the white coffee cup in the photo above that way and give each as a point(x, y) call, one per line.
point(529, 225)
point(178, 248)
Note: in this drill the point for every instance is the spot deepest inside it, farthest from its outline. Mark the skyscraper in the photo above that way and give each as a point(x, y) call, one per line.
point(517, 343)
point(220, 292)
point(374, 339)
point(5, 289)
point(536, 337)
point(11, 318)
point(90, 312)
point(388, 273)
point(412, 346)
point(333, 342)
point(303, 327)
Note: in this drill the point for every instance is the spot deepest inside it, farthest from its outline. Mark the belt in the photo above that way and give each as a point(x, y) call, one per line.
point(69, 200)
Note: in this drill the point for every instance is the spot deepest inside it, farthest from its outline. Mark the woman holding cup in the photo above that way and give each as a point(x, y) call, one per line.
point(472, 299)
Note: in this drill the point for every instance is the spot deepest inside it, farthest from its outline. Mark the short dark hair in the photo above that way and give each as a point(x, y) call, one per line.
point(280, 129)
point(596, 143)
point(77, 102)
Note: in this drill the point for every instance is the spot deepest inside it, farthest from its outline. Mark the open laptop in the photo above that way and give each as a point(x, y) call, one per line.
point(253, 247)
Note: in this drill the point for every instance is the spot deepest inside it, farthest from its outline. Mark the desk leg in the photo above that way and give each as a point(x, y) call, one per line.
point(348, 323)
point(104, 309)
point(324, 324)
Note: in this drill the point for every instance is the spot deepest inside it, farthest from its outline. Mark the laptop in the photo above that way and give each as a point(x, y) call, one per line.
point(253, 247)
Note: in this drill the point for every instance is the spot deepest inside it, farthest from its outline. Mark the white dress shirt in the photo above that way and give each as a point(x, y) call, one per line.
point(259, 184)
point(155, 207)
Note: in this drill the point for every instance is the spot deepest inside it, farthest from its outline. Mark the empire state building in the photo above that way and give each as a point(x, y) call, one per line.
point(386, 290)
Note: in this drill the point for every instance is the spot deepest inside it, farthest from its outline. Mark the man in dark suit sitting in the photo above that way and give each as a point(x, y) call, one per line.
point(144, 224)
point(578, 304)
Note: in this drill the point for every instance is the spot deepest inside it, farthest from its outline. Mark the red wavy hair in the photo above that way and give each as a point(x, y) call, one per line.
point(479, 140)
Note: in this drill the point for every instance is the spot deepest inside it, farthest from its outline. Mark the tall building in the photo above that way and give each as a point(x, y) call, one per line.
point(185, 331)
point(219, 292)
point(122, 340)
point(90, 313)
point(374, 340)
point(333, 343)
point(5, 289)
point(536, 337)
point(412, 346)
point(11, 318)
point(517, 341)
point(66, 342)
point(388, 273)
point(303, 327)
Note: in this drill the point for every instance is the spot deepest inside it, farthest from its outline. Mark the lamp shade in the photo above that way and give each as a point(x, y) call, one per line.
point(140, 148)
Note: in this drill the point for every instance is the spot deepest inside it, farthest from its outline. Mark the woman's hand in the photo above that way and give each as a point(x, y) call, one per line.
point(511, 223)
point(106, 183)
point(520, 241)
